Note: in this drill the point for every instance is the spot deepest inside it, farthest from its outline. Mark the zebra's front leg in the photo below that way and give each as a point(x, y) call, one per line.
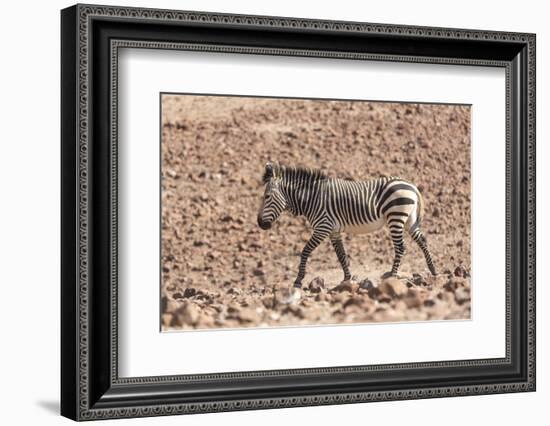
point(316, 238)
point(338, 244)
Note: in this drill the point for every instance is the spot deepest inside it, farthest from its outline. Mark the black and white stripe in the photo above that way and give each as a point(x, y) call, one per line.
point(333, 206)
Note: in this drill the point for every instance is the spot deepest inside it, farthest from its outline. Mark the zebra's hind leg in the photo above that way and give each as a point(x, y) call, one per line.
point(338, 244)
point(316, 238)
point(396, 232)
point(418, 236)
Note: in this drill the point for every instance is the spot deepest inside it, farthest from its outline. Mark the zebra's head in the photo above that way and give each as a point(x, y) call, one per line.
point(274, 201)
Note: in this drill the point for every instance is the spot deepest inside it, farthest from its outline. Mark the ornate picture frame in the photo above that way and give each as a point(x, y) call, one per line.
point(91, 37)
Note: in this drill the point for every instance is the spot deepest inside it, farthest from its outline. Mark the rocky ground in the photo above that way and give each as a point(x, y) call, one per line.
point(219, 269)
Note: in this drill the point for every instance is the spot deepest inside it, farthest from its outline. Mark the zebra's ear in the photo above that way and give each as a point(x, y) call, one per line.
point(268, 173)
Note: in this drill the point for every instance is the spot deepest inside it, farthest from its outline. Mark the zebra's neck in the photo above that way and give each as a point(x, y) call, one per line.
point(302, 195)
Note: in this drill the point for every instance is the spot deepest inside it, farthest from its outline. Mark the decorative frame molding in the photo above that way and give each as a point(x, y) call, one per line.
point(91, 388)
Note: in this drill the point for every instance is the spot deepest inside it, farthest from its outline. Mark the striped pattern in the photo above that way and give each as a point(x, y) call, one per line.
point(333, 206)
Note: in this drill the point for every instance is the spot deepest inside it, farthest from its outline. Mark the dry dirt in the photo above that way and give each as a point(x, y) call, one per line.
point(219, 269)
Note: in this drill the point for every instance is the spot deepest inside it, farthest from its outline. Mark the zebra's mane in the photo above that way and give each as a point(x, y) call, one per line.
point(293, 173)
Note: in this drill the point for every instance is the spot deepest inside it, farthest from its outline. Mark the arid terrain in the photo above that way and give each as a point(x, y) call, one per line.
point(219, 269)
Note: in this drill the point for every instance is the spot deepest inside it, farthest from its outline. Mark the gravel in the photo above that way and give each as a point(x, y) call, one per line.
point(220, 270)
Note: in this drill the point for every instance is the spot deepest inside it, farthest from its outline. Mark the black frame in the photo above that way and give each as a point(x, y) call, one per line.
point(90, 38)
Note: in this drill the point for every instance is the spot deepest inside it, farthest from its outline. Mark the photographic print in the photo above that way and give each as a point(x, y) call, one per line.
point(291, 212)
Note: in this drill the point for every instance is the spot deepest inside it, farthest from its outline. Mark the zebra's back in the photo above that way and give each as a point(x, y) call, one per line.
point(365, 206)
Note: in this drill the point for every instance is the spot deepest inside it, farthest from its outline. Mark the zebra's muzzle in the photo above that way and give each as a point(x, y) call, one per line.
point(264, 225)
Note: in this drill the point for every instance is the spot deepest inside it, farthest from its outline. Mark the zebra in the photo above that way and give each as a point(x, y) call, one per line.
point(335, 206)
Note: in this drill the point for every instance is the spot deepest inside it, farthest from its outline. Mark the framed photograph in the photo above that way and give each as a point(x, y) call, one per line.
point(263, 212)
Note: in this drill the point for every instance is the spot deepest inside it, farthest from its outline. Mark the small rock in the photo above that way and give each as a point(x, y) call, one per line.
point(257, 272)
point(353, 301)
point(446, 296)
point(393, 287)
point(417, 279)
point(460, 271)
point(188, 314)
point(316, 285)
point(375, 293)
point(234, 290)
point(248, 301)
point(415, 297)
point(389, 315)
point(189, 292)
point(171, 173)
point(400, 306)
point(247, 315)
point(455, 283)
point(339, 298)
point(268, 302)
point(462, 295)
point(321, 297)
point(233, 308)
point(205, 321)
point(438, 280)
point(287, 296)
point(168, 305)
point(348, 285)
point(274, 316)
point(366, 284)
point(166, 320)
point(384, 298)
point(306, 303)
point(439, 310)
point(295, 310)
point(218, 307)
point(213, 255)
